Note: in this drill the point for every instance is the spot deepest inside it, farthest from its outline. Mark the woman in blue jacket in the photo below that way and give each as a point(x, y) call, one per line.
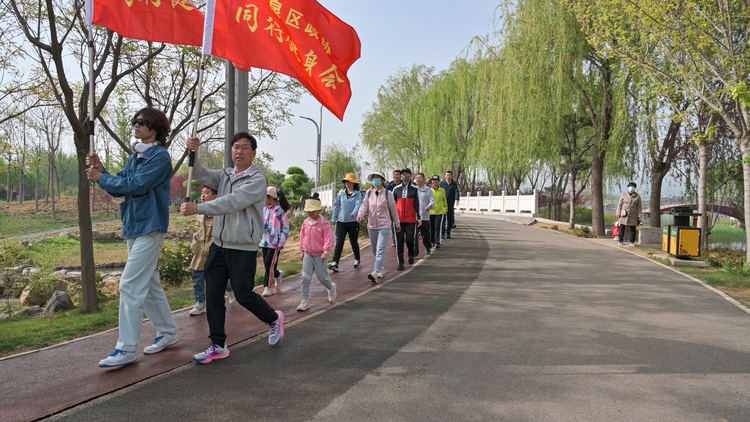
point(345, 211)
point(144, 183)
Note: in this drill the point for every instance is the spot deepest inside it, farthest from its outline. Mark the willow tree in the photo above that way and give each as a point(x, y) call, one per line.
point(391, 129)
point(452, 131)
point(547, 70)
point(338, 161)
point(700, 46)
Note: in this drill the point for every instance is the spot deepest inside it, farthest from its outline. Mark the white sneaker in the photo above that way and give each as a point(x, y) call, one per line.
point(198, 308)
point(231, 297)
point(161, 343)
point(267, 292)
point(619, 243)
point(357, 264)
point(277, 280)
point(632, 244)
point(332, 293)
point(373, 276)
point(118, 358)
point(303, 306)
point(381, 274)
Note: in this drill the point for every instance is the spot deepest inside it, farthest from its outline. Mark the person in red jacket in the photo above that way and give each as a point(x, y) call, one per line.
point(407, 202)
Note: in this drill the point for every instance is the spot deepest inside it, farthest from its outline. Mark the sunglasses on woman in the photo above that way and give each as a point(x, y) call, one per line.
point(139, 122)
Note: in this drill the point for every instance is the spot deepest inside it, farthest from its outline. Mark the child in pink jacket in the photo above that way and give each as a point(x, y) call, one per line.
point(315, 243)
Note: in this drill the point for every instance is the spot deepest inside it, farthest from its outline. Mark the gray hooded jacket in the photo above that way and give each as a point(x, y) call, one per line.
point(238, 209)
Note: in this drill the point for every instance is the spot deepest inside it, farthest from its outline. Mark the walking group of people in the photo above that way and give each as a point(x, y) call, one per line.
point(235, 220)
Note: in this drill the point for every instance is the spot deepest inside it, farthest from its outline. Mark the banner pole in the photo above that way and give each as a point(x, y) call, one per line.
point(191, 157)
point(92, 102)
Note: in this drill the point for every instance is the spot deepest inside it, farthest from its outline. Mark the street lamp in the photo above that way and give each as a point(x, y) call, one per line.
point(319, 129)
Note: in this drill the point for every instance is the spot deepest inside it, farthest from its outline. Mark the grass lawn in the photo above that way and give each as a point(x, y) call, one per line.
point(19, 334)
point(14, 225)
point(724, 232)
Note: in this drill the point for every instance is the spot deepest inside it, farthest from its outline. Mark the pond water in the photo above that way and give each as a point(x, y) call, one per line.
point(737, 246)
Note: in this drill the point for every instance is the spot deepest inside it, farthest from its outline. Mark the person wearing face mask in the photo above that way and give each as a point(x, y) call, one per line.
point(629, 212)
point(407, 200)
point(379, 204)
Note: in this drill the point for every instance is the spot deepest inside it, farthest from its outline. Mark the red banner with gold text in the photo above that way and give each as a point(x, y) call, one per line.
point(164, 21)
point(299, 38)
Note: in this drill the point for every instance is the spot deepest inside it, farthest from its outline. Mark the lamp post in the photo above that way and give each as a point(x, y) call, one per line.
point(319, 129)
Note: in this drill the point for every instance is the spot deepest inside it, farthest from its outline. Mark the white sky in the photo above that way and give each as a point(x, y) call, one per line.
point(394, 34)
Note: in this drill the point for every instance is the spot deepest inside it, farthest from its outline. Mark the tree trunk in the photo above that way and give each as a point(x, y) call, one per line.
point(7, 184)
point(597, 191)
point(702, 197)
point(745, 150)
point(52, 192)
point(572, 223)
point(658, 171)
point(36, 191)
point(90, 300)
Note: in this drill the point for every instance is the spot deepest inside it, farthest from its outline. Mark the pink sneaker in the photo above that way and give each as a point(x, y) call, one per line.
point(214, 352)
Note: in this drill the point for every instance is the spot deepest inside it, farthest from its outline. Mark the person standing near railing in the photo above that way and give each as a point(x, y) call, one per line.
point(452, 195)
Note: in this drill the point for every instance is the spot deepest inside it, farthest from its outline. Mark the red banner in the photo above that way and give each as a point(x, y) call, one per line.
point(299, 38)
point(164, 21)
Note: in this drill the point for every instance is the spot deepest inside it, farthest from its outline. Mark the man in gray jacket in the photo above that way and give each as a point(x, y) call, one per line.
point(237, 230)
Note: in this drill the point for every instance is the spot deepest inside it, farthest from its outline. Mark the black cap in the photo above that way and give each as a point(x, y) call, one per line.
point(406, 170)
point(436, 177)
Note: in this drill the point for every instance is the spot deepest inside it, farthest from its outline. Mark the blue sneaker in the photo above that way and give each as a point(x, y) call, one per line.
point(118, 358)
point(276, 330)
point(214, 352)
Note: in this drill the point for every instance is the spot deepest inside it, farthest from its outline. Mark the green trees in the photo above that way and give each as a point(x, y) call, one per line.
point(297, 184)
point(696, 47)
point(338, 160)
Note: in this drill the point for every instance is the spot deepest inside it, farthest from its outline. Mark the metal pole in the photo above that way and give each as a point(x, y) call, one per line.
point(92, 102)
point(191, 157)
point(229, 112)
point(317, 162)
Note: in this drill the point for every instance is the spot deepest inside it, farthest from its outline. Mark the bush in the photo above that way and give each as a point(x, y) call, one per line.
point(174, 263)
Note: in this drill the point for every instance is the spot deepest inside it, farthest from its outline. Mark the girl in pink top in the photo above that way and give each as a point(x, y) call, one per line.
point(315, 243)
point(381, 208)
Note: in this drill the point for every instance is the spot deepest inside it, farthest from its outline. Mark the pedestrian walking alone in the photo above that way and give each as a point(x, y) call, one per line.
point(407, 203)
point(437, 214)
point(237, 234)
point(315, 243)
point(380, 207)
point(144, 185)
point(629, 212)
point(345, 210)
point(427, 203)
point(452, 195)
point(275, 233)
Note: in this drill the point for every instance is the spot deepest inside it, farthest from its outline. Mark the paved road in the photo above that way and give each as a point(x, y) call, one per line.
point(506, 322)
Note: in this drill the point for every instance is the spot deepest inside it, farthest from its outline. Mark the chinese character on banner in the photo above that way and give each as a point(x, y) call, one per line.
point(310, 62)
point(182, 3)
point(312, 31)
point(155, 3)
point(249, 15)
point(332, 78)
point(275, 5)
point(293, 18)
point(275, 30)
point(293, 48)
point(326, 46)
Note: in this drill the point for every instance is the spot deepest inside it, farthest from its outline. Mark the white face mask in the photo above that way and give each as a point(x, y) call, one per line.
point(631, 189)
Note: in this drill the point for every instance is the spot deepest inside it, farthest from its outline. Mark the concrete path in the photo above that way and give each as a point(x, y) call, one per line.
point(506, 322)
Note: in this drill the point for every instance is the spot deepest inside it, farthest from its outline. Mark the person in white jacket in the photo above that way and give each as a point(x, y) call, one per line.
point(427, 202)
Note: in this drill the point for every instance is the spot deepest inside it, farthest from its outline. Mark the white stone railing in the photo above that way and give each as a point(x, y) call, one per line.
point(518, 204)
point(327, 195)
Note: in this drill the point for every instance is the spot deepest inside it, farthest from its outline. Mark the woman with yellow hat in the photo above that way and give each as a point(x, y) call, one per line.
point(345, 211)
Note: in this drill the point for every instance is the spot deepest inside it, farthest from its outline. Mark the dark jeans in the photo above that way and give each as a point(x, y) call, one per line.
point(436, 226)
point(239, 266)
point(632, 233)
point(449, 219)
point(268, 254)
point(342, 229)
point(424, 229)
point(407, 234)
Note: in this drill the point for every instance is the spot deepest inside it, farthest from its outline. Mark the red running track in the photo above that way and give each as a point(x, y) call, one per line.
point(53, 379)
